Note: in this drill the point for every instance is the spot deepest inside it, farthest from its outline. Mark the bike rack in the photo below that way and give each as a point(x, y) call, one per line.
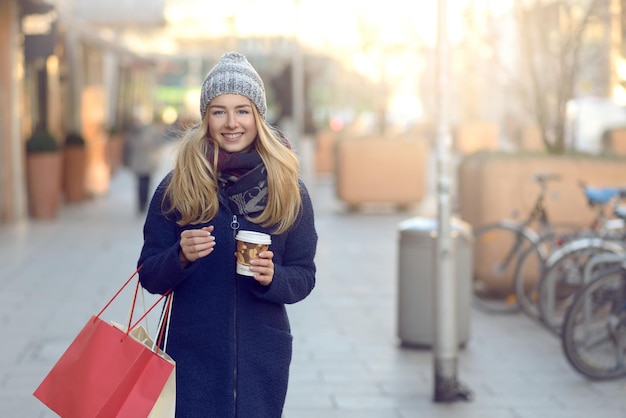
point(591, 263)
point(579, 244)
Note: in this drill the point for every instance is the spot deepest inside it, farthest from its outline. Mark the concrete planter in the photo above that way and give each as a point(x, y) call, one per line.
point(325, 152)
point(43, 172)
point(475, 136)
point(74, 173)
point(379, 170)
point(115, 150)
point(615, 141)
point(496, 186)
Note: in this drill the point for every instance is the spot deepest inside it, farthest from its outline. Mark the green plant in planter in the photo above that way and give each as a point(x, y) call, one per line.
point(41, 141)
point(74, 139)
point(114, 130)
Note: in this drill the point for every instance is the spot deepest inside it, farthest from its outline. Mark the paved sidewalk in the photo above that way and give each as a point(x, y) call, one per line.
point(347, 359)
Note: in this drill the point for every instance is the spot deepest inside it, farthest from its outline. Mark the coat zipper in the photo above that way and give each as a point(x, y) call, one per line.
point(234, 225)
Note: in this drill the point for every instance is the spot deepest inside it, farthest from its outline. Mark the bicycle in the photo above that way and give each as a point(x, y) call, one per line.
point(497, 248)
point(564, 272)
point(533, 266)
point(594, 330)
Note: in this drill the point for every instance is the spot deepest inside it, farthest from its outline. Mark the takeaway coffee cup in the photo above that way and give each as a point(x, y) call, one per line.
point(249, 245)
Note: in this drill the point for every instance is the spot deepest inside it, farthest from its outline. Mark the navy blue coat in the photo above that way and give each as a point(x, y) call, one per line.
point(229, 335)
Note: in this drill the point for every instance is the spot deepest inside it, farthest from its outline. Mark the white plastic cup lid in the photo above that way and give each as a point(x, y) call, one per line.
point(254, 237)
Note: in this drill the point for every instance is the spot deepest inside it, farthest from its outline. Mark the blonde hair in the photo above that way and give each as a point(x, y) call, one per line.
point(193, 188)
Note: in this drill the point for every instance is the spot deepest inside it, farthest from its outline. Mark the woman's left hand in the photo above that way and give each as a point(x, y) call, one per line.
point(263, 268)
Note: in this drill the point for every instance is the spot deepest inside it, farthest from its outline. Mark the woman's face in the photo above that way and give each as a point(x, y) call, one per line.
point(231, 122)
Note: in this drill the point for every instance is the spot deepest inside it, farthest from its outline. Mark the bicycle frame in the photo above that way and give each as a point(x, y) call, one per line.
point(539, 214)
point(522, 231)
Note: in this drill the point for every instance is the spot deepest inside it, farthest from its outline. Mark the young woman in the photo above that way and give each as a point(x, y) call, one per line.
point(229, 334)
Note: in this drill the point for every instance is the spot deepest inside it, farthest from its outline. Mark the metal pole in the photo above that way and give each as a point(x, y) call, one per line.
point(302, 144)
point(297, 78)
point(447, 388)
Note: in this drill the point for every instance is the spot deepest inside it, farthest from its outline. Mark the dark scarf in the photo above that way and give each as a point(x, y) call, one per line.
point(242, 180)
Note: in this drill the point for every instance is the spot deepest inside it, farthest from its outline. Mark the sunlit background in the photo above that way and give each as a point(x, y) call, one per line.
point(389, 44)
point(368, 66)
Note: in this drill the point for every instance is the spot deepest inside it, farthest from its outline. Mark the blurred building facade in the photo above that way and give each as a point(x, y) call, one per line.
point(61, 70)
point(84, 66)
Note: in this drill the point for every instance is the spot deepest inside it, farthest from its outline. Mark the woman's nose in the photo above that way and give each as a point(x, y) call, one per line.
point(231, 120)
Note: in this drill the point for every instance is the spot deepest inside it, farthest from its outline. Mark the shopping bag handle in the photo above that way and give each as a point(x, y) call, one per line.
point(131, 327)
point(164, 324)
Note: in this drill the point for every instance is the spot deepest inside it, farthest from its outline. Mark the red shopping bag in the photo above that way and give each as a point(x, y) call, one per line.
point(106, 373)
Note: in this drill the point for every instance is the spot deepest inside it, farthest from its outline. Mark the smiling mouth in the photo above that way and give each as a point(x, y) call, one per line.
point(232, 136)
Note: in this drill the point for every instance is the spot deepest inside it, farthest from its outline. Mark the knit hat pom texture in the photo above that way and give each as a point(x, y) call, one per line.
point(233, 74)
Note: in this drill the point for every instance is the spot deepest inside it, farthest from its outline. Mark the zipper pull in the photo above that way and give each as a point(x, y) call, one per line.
point(234, 224)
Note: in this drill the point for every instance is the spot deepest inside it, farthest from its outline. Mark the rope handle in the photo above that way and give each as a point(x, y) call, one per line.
point(119, 291)
point(131, 325)
point(164, 324)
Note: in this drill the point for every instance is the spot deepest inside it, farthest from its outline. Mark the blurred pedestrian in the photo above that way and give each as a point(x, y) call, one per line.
point(142, 149)
point(229, 334)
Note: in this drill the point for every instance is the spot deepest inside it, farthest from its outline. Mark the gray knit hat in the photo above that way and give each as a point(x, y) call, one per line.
point(233, 74)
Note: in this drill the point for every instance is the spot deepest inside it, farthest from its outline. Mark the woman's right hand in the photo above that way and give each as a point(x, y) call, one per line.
point(195, 244)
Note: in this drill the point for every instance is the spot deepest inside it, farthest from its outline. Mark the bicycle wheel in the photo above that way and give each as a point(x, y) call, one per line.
point(564, 276)
point(528, 271)
point(497, 248)
point(594, 330)
point(532, 266)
